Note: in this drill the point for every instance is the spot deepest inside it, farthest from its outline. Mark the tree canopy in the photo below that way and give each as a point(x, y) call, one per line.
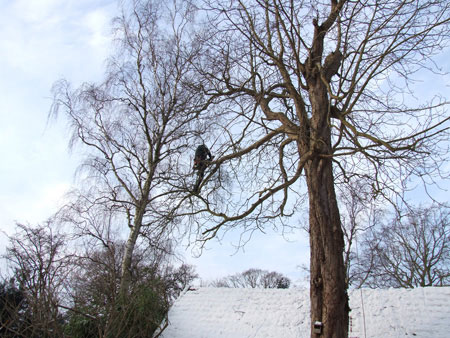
point(313, 95)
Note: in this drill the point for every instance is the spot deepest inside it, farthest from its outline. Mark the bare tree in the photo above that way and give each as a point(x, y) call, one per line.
point(320, 91)
point(359, 212)
point(96, 309)
point(41, 266)
point(178, 279)
point(410, 250)
point(96, 306)
point(254, 278)
point(138, 123)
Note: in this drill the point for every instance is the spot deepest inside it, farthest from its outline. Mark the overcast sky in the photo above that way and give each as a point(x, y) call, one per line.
point(43, 41)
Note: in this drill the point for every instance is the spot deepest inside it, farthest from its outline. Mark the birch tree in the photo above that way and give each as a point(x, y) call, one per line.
point(136, 125)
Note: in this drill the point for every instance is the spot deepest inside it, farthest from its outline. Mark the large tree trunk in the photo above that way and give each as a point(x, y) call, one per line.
point(329, 301)
point(328, 288)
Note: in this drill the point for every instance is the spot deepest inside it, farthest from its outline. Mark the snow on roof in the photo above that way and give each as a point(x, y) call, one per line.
point(261, 313)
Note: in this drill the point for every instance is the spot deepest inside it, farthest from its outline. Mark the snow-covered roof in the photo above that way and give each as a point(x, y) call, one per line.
point(241, 313)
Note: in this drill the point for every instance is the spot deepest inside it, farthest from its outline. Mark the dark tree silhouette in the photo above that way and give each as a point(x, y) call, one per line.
point(254, 278)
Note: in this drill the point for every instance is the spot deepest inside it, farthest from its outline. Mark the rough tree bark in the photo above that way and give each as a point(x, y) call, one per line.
point(328, 289)
point(329, 301)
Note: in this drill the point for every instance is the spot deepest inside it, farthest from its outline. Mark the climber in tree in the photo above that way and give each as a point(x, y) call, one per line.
point(201, 161)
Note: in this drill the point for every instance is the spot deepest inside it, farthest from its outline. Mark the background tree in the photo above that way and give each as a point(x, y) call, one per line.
point(410, 250)
point(254, 278)
point(61, 287)
point(97, 309)
point(178, 279)
point(41, 266)
point(137, 123)
point(321, 91)
point(359, 212)
point(14, 314)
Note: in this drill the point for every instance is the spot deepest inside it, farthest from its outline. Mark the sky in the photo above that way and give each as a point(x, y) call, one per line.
point(44, 41)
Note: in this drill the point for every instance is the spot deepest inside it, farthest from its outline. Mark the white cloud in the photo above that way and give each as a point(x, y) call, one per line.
point(42, 41)
point(36, 10)
point(97, 22)
point(49, 36)
point(50, 199)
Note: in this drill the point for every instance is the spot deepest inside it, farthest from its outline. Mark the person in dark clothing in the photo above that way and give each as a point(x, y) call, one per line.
point(201, 161)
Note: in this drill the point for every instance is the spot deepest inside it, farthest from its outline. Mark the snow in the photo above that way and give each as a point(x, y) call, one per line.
point(420, 312)
point(241, 313)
